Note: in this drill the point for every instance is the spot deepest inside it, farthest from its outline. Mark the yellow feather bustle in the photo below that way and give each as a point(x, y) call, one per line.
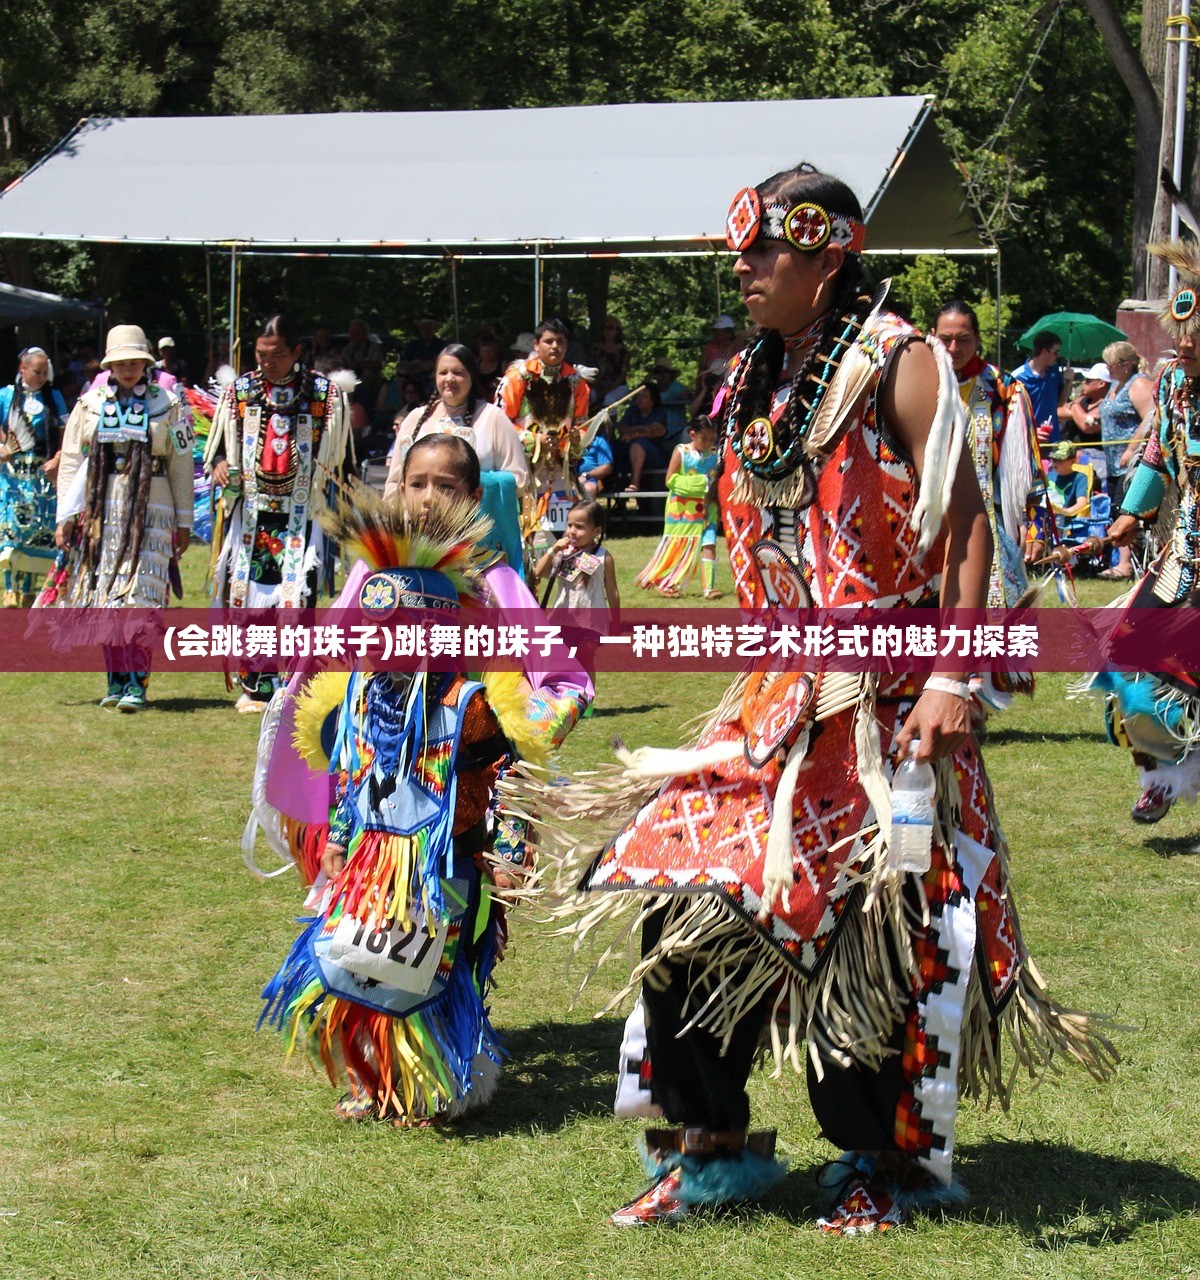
point(507, 694)
point(318, 699)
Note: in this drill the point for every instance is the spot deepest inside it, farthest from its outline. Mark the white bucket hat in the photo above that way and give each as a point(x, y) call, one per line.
point(126, 342)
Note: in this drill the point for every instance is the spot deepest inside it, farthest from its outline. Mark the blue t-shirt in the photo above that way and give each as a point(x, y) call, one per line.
point(1067, 490)
point(35, 410)
point(1044, 391)
point(598, 454)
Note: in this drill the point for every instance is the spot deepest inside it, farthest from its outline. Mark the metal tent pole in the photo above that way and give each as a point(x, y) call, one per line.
point(454, 293)
point(234, 337)
point(999, 315)
point(1184, 22)
point(208, 307)
point(537, 283)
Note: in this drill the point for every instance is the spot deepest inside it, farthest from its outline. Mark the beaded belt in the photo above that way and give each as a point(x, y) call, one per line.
point(158, 466)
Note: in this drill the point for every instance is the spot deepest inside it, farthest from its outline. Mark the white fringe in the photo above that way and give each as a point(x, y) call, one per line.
point(779, 872)
point(942, 449)
point(647, 763)
point(1015, 470)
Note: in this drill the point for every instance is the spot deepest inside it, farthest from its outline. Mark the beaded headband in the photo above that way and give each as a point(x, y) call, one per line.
point(805, 226)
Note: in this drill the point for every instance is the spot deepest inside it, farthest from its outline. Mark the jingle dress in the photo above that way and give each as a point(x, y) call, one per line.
point(898, 1017)
point(32, 422)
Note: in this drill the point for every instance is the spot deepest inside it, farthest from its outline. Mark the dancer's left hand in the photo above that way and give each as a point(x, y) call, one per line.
point(942, 722)
point(333, 860)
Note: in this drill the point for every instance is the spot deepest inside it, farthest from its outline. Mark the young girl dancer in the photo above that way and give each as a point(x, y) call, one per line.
point(690, 530)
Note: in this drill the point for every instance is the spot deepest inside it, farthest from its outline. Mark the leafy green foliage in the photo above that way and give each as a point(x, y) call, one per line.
point(1056, 199)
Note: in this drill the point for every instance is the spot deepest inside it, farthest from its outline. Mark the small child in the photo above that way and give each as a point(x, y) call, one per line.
point(388, 982)
point(584, 571)
point(690, 527)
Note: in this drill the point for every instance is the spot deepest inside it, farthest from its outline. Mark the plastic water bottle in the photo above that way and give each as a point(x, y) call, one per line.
point(914, 790)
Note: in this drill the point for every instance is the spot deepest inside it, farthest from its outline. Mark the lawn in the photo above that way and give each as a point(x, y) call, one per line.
point(148, 1131)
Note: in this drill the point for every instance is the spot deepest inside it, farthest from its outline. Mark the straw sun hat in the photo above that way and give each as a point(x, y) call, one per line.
point(126, 342)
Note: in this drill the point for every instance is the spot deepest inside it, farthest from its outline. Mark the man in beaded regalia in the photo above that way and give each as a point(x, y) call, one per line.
point(1157, 714)
point(277, 448)
point(546, 400)
point(757, 863)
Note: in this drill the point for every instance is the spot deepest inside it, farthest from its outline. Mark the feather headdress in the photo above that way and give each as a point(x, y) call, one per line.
point(1181, 316)
point(449, 538)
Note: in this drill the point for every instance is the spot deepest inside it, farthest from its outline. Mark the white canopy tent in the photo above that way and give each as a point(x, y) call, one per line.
point(643, 179)
point(18, 305)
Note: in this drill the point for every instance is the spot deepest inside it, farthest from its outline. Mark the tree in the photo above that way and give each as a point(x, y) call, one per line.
point(1149, 274)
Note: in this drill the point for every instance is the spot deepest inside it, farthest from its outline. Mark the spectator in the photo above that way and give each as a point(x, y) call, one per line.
point(707, 386)
point(611, 357)
point(1125, 411)
point(673, 395)
point(619, 392)
point(84, 364)
point(576, 352)
point(522, 347)
point(169, 362)
point(321, 346)
point(1042, 376)
point(491, 361)
point(217, 360)
point(719, 349)
point(1083, 426)
point(596, 467)
point(641, 435)
point(420, 355)
point(362, 349)
point(398, 396)
point(1067, 494)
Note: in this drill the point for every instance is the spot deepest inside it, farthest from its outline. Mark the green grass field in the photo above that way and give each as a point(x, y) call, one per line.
point(146, 1130)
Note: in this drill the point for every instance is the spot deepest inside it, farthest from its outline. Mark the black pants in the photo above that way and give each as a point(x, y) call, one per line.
point(695, 1084)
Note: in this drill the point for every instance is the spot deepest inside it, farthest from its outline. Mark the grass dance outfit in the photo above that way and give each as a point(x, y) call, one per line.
point(890, 1011)
point(387, 984)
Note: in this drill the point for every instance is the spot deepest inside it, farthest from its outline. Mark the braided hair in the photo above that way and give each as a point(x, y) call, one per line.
point(139, 474)
point(466, 357)
point(764, 351)
point(16, 407)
